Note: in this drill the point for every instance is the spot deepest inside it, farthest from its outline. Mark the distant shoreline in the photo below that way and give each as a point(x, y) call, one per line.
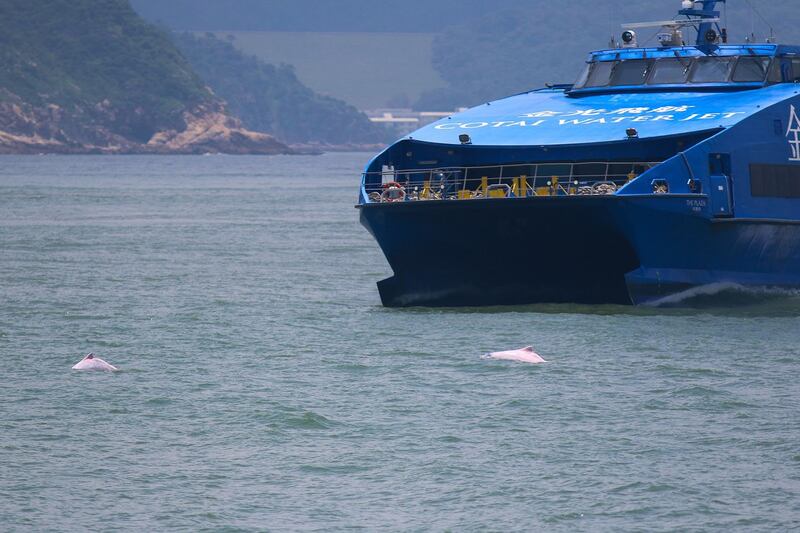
point(296, 151)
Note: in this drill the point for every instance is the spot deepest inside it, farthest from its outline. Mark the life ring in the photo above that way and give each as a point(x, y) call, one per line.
point(393, 193)
point(392, 184)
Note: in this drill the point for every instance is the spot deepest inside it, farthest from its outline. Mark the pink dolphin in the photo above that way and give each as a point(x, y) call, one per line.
point(523, 355)
point(91, 362)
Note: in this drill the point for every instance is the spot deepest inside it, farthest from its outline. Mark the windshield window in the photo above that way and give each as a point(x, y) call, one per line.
point(712, 69)
point(751, 69)
point(681, 70)
point(583, 77)
point(600, 74)
point(631, 72)
point(775, 75)
point(670, 71)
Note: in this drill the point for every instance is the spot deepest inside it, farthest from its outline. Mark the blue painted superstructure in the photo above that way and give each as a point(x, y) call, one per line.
point(662, 169)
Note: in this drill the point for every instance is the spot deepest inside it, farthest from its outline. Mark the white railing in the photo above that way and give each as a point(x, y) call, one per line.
point(501, 181)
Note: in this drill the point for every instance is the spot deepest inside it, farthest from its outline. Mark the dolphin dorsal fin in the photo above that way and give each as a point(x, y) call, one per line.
point(528, 349)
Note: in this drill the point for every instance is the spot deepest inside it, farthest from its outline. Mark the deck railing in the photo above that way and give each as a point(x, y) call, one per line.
point(501, 181)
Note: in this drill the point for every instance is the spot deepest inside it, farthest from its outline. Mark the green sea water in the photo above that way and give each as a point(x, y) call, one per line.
point(263, 387)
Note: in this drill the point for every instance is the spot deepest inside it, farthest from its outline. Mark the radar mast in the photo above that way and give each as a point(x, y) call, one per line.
point(700, 14)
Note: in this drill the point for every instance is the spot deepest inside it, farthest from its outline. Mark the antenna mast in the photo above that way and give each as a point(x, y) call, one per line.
point(705, 16)
point(703, 19)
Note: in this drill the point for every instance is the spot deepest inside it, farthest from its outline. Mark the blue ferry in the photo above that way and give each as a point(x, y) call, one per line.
point(661, 170)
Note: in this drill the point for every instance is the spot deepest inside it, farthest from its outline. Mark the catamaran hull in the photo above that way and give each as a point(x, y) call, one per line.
point(711, 256)
point(501, 252)
point(592, 250)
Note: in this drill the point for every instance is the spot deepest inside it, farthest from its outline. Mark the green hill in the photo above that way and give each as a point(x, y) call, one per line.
point(80, 53)
point(270, 98)
point(90, 75)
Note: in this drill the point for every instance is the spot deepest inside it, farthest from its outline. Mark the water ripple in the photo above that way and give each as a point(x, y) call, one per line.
point(263, 386)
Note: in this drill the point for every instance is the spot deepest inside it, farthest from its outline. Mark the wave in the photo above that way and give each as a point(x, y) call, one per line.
point(726, 294)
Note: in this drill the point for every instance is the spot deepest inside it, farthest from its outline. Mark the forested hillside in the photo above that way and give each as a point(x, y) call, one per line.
point(91, 75)
point(75, 53)
point(270, 98)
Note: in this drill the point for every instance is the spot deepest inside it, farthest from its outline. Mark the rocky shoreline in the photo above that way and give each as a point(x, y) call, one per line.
point(50, 129)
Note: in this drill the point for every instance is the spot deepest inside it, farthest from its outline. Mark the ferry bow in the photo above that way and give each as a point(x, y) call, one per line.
point(661, 169)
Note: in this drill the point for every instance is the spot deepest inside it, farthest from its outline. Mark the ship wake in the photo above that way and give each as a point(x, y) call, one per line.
point(726, 294)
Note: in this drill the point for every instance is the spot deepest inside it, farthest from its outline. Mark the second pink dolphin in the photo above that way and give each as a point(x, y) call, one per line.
point(523, 355)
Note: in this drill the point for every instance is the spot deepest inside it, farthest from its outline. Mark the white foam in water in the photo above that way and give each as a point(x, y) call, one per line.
point(721, 288)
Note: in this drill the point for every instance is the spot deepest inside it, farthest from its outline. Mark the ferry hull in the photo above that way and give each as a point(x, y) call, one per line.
point(703, 257)
point(502, 252)
point(635, 185)
point(592, 250)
